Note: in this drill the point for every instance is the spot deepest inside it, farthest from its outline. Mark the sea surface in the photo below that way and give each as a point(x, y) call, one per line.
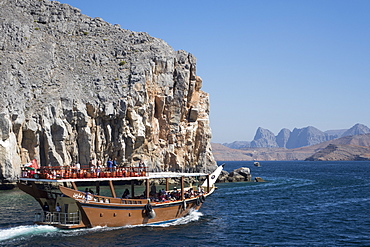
point(301, 204)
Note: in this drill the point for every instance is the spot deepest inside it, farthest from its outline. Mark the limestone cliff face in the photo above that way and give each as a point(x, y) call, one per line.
point(75, 88)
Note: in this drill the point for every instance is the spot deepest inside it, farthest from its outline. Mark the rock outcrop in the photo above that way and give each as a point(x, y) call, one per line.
point(242, 174)
point(76, 88)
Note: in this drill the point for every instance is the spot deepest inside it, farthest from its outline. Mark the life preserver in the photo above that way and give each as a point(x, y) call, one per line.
point(149, 212)
point(148, 207)
point(197, 202)
point(202, 199)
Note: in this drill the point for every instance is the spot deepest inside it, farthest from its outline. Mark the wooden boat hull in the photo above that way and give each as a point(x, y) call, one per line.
point(133, 212)
point(65, 207)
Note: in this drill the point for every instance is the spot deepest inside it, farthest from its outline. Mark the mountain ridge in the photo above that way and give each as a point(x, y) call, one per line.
point(299, 137)
point(349, 148)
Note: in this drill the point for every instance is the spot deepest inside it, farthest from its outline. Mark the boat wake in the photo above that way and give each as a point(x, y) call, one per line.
point(25, 231)
point(193, 216)
point(28, 231)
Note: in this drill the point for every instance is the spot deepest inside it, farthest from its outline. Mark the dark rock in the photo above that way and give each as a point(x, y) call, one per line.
point(222, 178)
point(259, 179)
point(238, 175)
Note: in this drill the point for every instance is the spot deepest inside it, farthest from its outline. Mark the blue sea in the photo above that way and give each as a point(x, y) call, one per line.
point(300, 204)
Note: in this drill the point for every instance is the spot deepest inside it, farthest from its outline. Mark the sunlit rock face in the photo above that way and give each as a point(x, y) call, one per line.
point(75, 88)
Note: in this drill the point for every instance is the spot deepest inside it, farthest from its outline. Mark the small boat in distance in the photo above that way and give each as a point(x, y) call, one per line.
point(256, 163)
point(66, 206)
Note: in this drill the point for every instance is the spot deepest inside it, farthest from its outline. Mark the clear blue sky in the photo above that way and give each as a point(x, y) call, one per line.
point(273, 64)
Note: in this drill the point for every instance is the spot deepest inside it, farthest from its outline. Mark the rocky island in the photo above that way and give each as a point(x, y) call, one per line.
point(75, 88)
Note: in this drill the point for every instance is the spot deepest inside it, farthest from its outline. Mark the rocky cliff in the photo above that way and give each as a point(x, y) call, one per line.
point(75, 88)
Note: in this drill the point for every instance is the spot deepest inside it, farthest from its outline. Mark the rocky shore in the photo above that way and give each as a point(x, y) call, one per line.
point(242, 174)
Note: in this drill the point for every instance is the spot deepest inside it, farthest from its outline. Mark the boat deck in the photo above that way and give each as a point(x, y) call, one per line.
point(152, 175)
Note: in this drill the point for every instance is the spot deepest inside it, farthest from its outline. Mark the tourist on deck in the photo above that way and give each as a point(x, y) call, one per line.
point(98, 170)
point(98, 163)
point(109, 164)
point(92, 165)
point(175, 193)
point(191, 192)
point(200, 190)
point(153, 189)
point(78, 166)
point(115, 164)
point(141, 165)
point(86, 194)
point(126, 194)
point(162, 195)
point(58, 208)
point(46, 207)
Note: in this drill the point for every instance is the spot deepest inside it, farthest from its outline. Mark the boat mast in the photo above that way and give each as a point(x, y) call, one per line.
point(182, 188)
point(74, 185)
point(112, 189)
point(167, 184)
point(208, 183)
point(147, 188)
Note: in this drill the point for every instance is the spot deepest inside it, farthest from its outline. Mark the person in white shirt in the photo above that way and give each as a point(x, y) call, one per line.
point(57, 208)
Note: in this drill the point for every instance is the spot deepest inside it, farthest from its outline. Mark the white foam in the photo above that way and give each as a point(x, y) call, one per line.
point(20, 231)
point(192, 216)
point(32, 230)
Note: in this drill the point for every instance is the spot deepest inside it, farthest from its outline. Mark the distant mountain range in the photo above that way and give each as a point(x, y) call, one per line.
point(351, 147)
point(297, 138)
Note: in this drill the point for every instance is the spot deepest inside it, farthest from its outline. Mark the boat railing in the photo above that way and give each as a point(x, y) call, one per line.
point(60, 218)
point(70, 172)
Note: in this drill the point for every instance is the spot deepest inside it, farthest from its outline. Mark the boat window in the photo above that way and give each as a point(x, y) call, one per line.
point(106, 200)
